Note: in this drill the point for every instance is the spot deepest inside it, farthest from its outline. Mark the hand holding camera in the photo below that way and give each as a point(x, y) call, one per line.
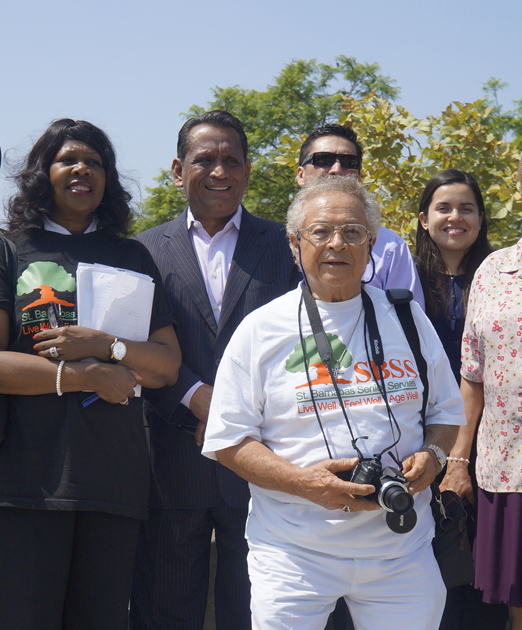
point(391, 492)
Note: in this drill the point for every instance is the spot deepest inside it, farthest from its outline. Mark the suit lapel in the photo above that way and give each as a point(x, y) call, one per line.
point(251, 244)
point(179, 250)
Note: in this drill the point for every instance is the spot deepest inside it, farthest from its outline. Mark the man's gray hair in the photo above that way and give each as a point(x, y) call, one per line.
point(338, 184)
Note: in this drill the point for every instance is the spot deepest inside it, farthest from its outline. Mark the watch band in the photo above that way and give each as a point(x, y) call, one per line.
point(438, 452)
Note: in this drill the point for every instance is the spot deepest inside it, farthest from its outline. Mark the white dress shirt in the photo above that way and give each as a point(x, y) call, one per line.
point(214, 255)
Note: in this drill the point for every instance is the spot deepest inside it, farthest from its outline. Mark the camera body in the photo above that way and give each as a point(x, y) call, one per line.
point(391, 491)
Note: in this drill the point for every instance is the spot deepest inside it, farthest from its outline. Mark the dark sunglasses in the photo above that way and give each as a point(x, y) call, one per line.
point(325, 158)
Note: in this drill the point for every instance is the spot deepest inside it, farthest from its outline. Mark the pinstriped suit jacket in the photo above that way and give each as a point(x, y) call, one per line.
point(262, 269)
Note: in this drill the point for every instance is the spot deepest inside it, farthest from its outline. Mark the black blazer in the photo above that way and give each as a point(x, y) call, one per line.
point(262, 269)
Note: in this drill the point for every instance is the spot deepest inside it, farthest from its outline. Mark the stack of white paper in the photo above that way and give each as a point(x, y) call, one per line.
point(117, 301)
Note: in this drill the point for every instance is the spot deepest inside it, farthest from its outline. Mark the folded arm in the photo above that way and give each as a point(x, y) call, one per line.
point(30, 375)
point(160, 363)
point(157, 360)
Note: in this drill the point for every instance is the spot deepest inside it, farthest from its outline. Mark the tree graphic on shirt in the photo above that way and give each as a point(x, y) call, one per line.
point(47, 277)
point(295, 362)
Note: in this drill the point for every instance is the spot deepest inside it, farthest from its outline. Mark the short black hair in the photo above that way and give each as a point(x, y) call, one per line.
point(35, 197)
point(344, 131)
point(215, 118)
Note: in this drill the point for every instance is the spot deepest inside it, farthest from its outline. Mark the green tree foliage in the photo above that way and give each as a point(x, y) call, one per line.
point(402, 152)
point(504, 124)
point(304, 95)
point(164, 202)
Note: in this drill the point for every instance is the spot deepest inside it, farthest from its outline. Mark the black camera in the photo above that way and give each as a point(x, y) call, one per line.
point(391, 492)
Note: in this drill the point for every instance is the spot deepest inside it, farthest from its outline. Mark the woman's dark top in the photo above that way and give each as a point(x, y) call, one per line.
point(449, 323)
point(56, 454)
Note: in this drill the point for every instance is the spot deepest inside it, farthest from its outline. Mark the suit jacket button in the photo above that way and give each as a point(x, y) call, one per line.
point(216, 362)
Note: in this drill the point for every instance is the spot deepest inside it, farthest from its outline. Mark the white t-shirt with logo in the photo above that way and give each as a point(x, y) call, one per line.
point(262, 391)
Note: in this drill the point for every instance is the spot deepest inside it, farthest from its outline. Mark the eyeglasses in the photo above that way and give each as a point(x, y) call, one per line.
point(352, 233)
point(325, 158)
point(54, 315)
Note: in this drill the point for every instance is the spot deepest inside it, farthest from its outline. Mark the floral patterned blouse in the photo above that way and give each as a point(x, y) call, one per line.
point(492, 354)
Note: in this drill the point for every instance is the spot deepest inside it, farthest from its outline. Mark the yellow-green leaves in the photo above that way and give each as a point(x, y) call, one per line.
point(402, 152)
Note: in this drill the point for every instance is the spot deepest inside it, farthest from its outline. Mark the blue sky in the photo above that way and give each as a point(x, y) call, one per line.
point(131, 67)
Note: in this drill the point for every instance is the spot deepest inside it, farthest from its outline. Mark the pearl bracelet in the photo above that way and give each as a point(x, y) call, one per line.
point(458, 459)
point(59, 378)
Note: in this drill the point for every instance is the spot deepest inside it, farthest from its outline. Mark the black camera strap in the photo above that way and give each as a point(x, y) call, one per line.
point(377, 352)
point(325, 352)
point(307, 370)
point(321, 340)
point(401, 299)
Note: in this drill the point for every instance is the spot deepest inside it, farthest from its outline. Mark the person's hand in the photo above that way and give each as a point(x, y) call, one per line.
point(73, 343)
point(199, 406)
point(113, 383)
point(420, 470)
point(457, 479)
point(199, 435)
point(320, 484)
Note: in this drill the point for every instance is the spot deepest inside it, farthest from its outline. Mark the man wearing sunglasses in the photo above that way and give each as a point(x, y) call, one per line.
point(335, 150)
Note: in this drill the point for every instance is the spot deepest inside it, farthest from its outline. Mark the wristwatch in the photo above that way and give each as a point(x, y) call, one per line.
point(118, 350)
point(438, 452)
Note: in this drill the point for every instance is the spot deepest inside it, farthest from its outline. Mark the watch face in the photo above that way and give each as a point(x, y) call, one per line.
point(119, 350)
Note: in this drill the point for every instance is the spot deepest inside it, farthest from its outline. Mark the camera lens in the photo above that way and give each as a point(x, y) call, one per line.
point(395, 498)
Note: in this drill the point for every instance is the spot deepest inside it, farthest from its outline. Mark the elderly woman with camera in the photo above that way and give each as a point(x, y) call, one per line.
point(318, 405)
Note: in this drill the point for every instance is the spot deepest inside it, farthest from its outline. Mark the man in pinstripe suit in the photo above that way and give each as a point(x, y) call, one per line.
point(218, 263)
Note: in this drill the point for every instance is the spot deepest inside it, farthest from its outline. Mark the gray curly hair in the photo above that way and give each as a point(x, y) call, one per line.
point(335, 183)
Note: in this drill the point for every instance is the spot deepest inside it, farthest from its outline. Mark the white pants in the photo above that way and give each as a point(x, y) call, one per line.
point(294, 589)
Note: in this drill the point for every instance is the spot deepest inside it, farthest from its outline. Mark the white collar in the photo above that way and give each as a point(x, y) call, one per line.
point(52, 226)
point(235, 220)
